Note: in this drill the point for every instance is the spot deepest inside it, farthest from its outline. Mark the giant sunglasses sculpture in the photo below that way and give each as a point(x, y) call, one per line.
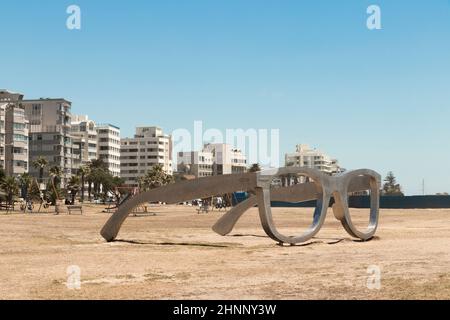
point(315, 186)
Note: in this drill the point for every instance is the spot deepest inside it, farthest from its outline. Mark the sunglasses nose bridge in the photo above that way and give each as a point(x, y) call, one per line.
point(331, 186)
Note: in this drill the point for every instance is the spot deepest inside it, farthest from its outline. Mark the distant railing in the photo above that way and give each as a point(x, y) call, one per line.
point(49, 129)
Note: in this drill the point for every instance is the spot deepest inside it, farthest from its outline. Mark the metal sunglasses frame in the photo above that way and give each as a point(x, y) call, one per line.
point(321, 187)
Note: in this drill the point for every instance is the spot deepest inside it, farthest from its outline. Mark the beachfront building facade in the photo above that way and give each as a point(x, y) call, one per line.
point(149, 147)
point(197, 163)
point(50, 135)
point(14, 134)
point(214, 159)
point(108, 147)
point(304, 156)
point(84, 141)
point(227, 159)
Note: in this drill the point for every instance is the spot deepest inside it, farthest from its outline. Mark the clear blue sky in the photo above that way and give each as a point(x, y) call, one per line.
point(376, 99)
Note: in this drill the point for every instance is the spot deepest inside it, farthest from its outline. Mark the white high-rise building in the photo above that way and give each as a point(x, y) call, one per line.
point(14, 146)
point(304, 156)
point(227, 159)
point(214, 159)
point(50, 135)
point(84, 136)
point(149, 147)
point(108, 147)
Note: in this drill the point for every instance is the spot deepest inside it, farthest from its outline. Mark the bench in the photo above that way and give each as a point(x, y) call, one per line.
point(75, 208)
point(7, 207)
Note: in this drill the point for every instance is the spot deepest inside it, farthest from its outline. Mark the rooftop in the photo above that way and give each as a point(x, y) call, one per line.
point(106, 125)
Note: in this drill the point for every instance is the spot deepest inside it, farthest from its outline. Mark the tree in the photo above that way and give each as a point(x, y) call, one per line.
point(83, 172)
point(97, 176)
point(55, 173)
point(89, 182)
point(391, 187)
point(40, 164)
point(73, 187)
point(100, 181)
point(2, 175)
point(255, 168)
point(25, 181)
point(98, 164)
point(155, 178)
point(11, 189)
point(34, 192)
point(98, 170)
point(111, 186)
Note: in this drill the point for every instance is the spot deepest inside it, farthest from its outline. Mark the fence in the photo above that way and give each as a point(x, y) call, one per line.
point(386, 202)
point(410, 202)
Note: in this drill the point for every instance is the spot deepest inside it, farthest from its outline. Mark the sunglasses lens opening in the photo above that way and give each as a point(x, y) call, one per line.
point(359, 201)
point(293, 202)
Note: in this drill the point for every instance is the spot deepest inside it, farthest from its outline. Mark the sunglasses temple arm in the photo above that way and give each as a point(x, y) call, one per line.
point(179, 192)
point(225, 224)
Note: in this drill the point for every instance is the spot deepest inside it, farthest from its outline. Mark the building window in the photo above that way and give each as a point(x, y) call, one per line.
point(19, 126)
point(20, 137)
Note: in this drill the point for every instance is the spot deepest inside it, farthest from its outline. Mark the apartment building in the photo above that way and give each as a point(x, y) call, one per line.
point(108, 147)
point(214, 159)
point(50, 134)
point(3, 106)
point(148, 147)
point(227, 160)
point(304, 156)
point(197, 163)
point(84, 135)
point(13, 134)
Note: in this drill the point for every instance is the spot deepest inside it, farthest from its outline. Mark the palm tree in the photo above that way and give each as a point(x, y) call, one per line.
point(55, 173)
point(83, 172)
point(25, 181)
point(98, 164)
point(111, 185)
point(40, 163)
point(255, 168)
point(97, 170)
point(155, 178)
point(2, 178)
point(11, 189)
point(74, 186)
point(89, 181)
point(34, 192)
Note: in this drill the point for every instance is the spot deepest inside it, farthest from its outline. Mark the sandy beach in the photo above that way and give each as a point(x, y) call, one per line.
point(176, 255)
